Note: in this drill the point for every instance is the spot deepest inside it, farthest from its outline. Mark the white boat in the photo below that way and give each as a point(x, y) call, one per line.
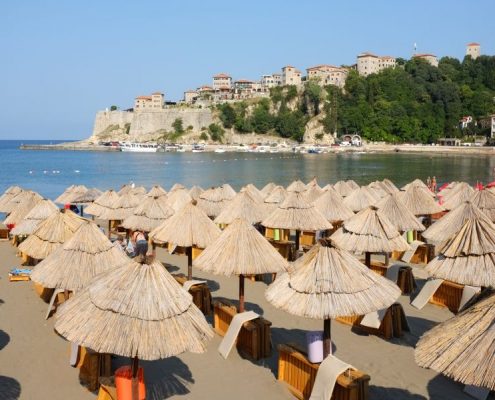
point(220, 150)
point(197, 148)
point(139, 147)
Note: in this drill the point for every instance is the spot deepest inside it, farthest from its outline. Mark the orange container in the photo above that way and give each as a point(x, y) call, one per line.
point(123, 383)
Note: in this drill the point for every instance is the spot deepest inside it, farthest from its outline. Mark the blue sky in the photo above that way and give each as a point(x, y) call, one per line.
point(64, 60)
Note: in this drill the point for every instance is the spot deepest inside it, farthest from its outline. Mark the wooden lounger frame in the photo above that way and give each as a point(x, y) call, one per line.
point(92, 366)
point(299, 374)
point(201, 294)
point(448, 295)
point(254, 340)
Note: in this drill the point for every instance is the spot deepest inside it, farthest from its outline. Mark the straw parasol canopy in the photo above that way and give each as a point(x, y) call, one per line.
point(18, 199)
point(420, 201)
point(135, 310)
point(377, 190)
point(267, 189)
point(277, 196)
point(343, 188)
point(254, 192)
point(102, 203)
point(399, 215)
point(61, 199)
point(452, 222)
point(149, 214)
point(195, 192)
point(10, 193)
point(28, 202)
point(390, 185)
point(297, 186)
point(121, 208)
point(462, 347)
point(332, 207)
point(157, 191)
point(87, 197)
point(33, 218)
point(415, 183)
point(313, 193)
point(138, 191)
point(352, 184)
point(360, 199)
point(177, 186)
point(51, 234)
point(73, 265)
point(468, 258)
point(240, 250)
point(178, 198)
point(485, 201)
point(125, 189)
point(213, 200)
point(369, 231)
point(71, 193)
point(244, 206)
point(461, 193)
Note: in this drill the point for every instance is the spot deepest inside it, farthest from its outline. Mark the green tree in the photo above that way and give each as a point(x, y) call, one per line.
point(216, 132)
point(178, 127)
point(227, 115)
point(113, 108)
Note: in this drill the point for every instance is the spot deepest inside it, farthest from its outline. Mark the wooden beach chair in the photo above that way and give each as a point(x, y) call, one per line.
point(254, 340)
point(295, 370)
point(19, 275)
point(449, 295)
point(286, 248)
point(277, 234)
point(201, 294)
point(4, 233)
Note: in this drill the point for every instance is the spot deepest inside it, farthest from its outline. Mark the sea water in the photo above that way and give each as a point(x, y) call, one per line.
point(50, 172)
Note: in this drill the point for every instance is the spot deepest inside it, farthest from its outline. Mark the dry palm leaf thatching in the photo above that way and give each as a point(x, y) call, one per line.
point(377, 189)
point(244, 206)
point(195, 192)
point(157, 191)
point(352, 184)
point(344, 188)
point(178, 198)
point(369, 231)
point(485, 201)
point(71, 193)
point(138, 191)
point(227, 192)
point(462, 347)
point(420, 202)
point(213, 200)
point(8, 195)
point(360, 199)
point(276, 196)
point(135, 310)
point(240, 250)
point(398, 214)
point(297, 186)
point(415, 183)
point(51, 234)
point(313, 183)
point(61, 199)
point(177, 186)
point(125, 189)
point(328, 282)
point(186, 228)
point(122, 208)
point(33, 218)
point(254, 192)
point(28, 202)
point(452, 222)
point(390, 185)
point(468, 258)
point(296, 213)
point(332, 207)
point(102, 203)
point(149, 214)
point(88, 197)
point(312, 194)
point(267, 189)
point(72, 266)
point(461, 193)
point(17, 199)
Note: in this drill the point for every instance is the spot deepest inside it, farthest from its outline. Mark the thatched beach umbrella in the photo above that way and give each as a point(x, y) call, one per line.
point(420, 201)
point(463, 347)
point(461, 193)
point(122, 208)
point(33, 218)
point(102, 203)
point(398, 214)
point(51, 234)
point(447, 226)
point(297, 186)
point(296, 214)
point(277, 196)
point(157, 191)
point(187, 228)
point(387, 183)
point(125, 189)
point(352, 184)
point(149, 214)
point(135, 310)
point(177, 186)
point(313, 193)
point(61, 198)
point(86, 198)
point(12, 204)
point(415, 183)
point(368, 232)
point(468, 258)
point(71, 193)
point(72, 266)
point(343, 188)
point(267, 189)
point(240, 250)
point(244, 205)
point(328, 282)
point(138, 191)
point(195, 192)
point(332, 207)
point(28, 202)
point(178, 198)
point(485, 201)
point(213, 200)
point(254, 192)
point(360, 199)
point(10, 193)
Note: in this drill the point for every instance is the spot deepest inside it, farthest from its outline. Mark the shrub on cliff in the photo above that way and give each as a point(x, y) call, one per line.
point(216, 132)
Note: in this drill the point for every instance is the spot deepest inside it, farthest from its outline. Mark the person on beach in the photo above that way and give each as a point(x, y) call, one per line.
point(428, 183)
point(434, 185)
point(140, 243)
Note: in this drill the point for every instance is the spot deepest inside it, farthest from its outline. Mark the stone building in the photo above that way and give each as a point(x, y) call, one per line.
point(429, 58)
point(222, 81)
point(154, 102)
point(369, 63)
point(473, 49)
point(291, 76)
point(190, 96)
point(328, 75)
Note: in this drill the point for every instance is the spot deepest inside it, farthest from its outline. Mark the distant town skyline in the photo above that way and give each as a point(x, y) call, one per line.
point(63, 61)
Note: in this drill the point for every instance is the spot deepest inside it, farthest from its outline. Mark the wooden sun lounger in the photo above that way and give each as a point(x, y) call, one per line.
point(201, 294)
point(405, 278)
point(286, 248)
point(299, 374)
point(307, 238)
point(254, 340)
point(393, 324)
point(284, 234)
point(4, 233)
point(92, 366)
point(449, 295)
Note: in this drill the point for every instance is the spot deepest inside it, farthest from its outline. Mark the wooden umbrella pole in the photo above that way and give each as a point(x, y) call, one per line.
point(134, 381)
point(327, 339)
point(298, 236)
point(109, 226)
point(367, 259)
point(189, 263)
point(241, 293)
point(82, 210)
point(66, 295)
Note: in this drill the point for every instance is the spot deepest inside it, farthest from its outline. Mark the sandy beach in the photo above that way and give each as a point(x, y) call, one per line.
point(34, 360)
